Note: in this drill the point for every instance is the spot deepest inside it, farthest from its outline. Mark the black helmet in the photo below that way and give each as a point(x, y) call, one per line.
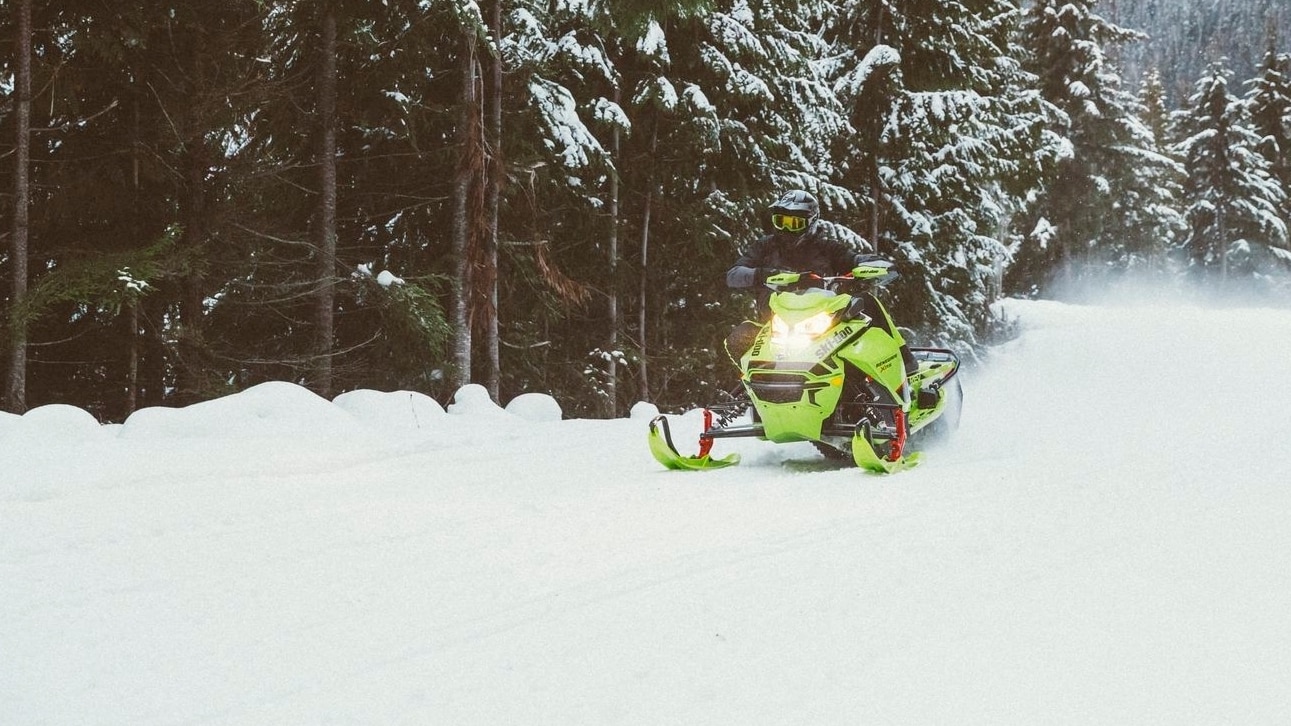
point(795, 212)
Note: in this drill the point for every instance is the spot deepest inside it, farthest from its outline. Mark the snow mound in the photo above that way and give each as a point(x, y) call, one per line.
point(473, 399)
point(393, 410)
point(60, 416)
point(54, 423)
point(276, 409)
point(536, 407)
point(643, 409)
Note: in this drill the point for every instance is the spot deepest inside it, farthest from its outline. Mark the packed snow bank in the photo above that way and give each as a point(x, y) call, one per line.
point(393, 410)
point(473, 399)
point(57, 422)
point(269, 410)
point(536, 407)
point(271, 426)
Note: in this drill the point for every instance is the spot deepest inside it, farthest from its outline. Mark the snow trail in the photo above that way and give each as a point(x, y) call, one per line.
point(1105, 542)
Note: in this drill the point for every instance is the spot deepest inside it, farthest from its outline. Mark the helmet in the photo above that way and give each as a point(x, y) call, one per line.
point(795, 212)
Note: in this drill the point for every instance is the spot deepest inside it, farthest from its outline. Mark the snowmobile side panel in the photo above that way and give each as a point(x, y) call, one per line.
point(888, 371)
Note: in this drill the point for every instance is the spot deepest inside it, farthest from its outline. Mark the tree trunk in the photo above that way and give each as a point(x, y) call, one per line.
point(463, 222)
point(495, 172)
point(190, 378)
point(325, 302)
point(16, 384)
point(643, 292)
point(132, 374)
point(644, 295)
point(644, 366)
point(191, 386)
point(612, 342)
point(1222, 247)
point(876, 194)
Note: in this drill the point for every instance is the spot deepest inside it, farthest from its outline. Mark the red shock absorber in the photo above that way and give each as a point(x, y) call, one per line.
point(706, 441)
point(898, 441)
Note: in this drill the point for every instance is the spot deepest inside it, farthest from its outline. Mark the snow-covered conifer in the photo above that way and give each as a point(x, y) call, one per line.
point(950, 139)
point(1232, 200)
point(1269, 104)
point(1108, 205)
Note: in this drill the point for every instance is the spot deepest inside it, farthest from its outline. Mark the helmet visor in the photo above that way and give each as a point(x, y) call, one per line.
point(789, 222)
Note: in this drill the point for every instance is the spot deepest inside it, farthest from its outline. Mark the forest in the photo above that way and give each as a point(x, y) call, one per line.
point(544, 196)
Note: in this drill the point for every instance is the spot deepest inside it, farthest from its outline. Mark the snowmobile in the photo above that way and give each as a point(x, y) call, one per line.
point(822, 370)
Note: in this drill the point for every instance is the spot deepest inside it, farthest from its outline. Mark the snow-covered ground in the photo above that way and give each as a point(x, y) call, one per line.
point(1107, 541)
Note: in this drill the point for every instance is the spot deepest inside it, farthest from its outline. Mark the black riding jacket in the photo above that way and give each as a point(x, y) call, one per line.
point(817, 250)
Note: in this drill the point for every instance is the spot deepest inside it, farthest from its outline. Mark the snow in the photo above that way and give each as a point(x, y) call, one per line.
point(1105, 542)
point(387, 278)
point(566, 136)
point(611, 114)
point(391, 411)
point(654, 43)
point(536, 407)
point(881, 57)
point(130, 282)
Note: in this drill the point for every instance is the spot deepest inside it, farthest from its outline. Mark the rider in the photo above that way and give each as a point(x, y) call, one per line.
point(801, 242)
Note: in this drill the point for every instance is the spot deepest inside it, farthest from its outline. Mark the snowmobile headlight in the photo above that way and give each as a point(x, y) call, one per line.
point(802, 333)
point(815, 325)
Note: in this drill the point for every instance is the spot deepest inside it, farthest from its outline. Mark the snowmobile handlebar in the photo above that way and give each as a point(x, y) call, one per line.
point(879, 272)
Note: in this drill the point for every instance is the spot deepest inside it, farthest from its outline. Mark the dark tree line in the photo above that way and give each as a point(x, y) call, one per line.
point(543, 197)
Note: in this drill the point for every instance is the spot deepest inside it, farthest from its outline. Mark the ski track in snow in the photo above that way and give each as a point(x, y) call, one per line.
point(1105, 542)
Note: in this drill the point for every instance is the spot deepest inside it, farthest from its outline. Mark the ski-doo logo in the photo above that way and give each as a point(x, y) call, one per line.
point(829, 344)
point(758, 344)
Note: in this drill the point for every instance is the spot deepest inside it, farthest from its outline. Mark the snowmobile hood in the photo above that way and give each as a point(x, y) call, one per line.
point(794, 306)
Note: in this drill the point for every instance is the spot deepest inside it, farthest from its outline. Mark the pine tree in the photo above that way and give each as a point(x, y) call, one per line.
point(1268, 101)
point(126, 166)
point(952, 140)
point(560, 65)
point(766, 121)
point(1148, 222)
point(393, 173)
point(695, 121)
point(1155, 113)
point(1232, 200)
point(1107, 207)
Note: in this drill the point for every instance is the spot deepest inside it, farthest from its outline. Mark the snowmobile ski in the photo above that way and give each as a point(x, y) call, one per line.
point(867, 458)
point(666, 453)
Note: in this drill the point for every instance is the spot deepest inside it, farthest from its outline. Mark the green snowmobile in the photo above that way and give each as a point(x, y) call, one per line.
point(822, 370)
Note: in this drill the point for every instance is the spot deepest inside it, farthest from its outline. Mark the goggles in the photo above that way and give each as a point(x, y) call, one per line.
point(788, 222)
